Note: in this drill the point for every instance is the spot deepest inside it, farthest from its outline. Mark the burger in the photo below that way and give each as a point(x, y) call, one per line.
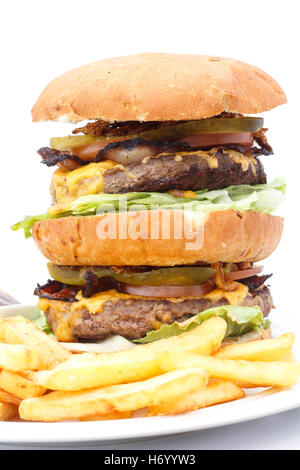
point(161, 209)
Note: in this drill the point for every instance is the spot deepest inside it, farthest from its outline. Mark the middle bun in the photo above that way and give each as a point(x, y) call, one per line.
point(149, 238)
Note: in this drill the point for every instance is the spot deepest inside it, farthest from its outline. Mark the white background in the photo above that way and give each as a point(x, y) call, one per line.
point(40, 40)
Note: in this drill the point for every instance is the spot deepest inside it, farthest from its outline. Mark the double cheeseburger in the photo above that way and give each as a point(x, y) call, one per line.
point(161, 209)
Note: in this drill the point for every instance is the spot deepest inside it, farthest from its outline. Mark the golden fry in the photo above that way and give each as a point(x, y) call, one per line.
point(19, 386)
point(2, 330)
point(18, 357)
point(57, 406)
point(109, 416)
point(289, 357)
point(8, 411)
point(20, 330)
point(90, 370)
point(266, 350)
point(261, 374)
point(219, 392)
point(7, 397)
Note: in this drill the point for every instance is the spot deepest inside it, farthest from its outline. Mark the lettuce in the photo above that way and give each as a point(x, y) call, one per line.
point(239, 320)
point(42, 323)
point(261, 197)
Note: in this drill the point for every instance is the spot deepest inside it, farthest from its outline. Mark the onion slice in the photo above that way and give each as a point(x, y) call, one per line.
point(168, 291)
point(243, 273)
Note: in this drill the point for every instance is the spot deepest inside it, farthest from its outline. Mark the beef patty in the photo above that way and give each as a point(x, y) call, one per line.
point(134, 318)
point(196, 170)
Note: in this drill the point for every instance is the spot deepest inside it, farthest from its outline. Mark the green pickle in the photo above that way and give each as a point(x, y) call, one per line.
point(157, 277)
point(71, 141)
point(175, 132)
point(205, 126)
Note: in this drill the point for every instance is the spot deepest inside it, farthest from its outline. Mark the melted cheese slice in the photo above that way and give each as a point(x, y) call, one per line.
point(66, 185)
point(66, 314)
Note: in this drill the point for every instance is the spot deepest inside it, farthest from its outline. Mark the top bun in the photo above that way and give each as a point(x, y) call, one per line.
point(158, 87)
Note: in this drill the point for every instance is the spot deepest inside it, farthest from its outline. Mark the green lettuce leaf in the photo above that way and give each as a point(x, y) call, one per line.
point(261, 197)
point(42, 323)
point(239, 320)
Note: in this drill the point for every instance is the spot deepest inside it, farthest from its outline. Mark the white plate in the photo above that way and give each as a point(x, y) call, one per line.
point(257, 404)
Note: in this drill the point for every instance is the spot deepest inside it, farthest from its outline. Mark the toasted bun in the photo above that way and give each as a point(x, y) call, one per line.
point(155, 238)
point(158, 87)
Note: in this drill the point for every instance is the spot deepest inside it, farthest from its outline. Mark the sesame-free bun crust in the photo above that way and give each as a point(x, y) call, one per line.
point(142, 238)
point(158, 87)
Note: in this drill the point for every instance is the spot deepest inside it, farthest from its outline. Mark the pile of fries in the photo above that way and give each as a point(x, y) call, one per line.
point(42, 381)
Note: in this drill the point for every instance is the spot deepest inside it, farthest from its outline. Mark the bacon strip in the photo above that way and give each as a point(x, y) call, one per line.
point(52, 157)
point(55, 290)
point(120, 129)
point(255, 282)
point(134, 150)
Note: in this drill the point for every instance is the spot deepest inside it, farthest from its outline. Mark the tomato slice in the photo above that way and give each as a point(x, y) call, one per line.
point(243, 273)
point(168, 291)
point(227, 138)
point(89, 152)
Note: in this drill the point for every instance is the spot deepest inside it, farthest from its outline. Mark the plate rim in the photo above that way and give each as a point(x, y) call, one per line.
point(117, 431)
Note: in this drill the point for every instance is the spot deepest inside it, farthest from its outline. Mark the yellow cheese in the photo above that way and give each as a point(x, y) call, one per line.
point(66, 185)
point(235, 297)
point(62, 320)
point(189, 194)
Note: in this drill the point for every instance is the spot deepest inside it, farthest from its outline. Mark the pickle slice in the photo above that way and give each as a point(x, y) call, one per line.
point(71, 141)
point(157, 277)
point(205, 126)
point(175, 132)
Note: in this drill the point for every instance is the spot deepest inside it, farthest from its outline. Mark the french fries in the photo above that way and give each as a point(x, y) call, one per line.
point(9, 398)
point(2, 330)
point(267, 350)
point(90, 370)
point(7, 411)
point(19, 386)
point(18, 357)
point(109, 416)
point(20, 330)
point(41, 381)
point(261, 374)
point(211, 395)
point(57, 406)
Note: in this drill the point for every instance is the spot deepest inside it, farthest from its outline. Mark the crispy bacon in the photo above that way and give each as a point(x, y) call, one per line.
point(219, 279)
point(134, 150)
point(52, 157)
point(95, 284)
point(261, 139)
point(255, 282)
point(55, 290)
point(120, 129)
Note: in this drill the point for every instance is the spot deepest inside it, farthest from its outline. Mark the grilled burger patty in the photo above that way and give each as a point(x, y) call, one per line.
point(186, 171)
point(133, 318)
point(213, 169)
